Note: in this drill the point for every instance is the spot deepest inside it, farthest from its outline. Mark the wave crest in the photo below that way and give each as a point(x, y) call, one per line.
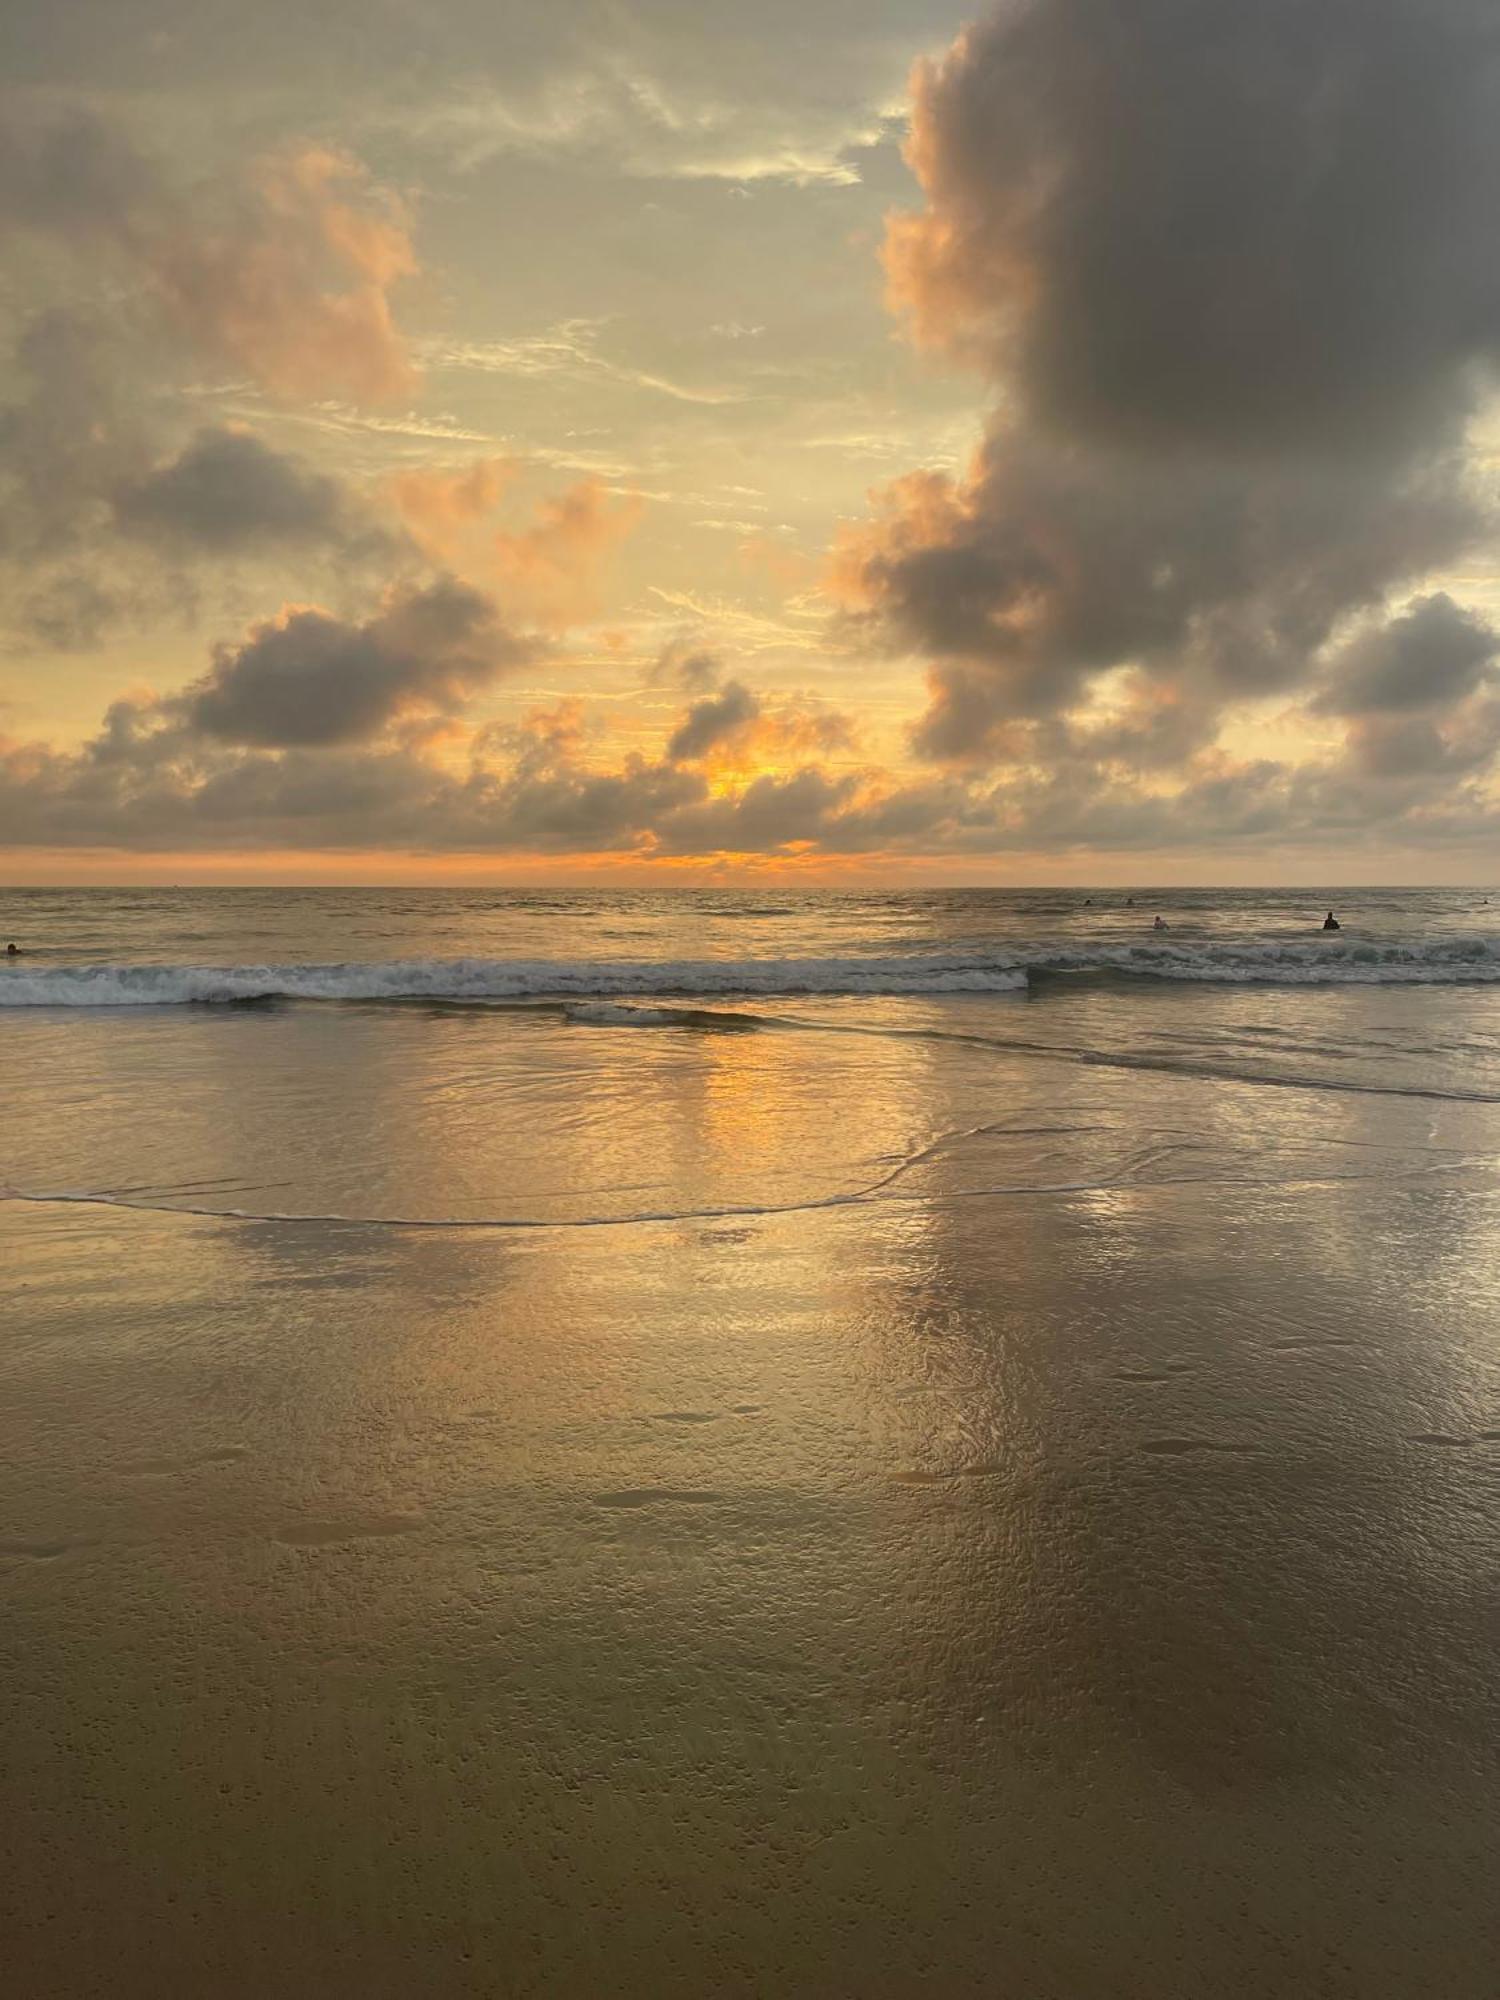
point(1449, 960)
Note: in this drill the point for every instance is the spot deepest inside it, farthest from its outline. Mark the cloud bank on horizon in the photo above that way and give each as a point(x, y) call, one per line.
point(370, 539)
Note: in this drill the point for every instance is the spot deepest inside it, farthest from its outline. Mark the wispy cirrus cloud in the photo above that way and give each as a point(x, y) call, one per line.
point(571, 348)
point(621, 112)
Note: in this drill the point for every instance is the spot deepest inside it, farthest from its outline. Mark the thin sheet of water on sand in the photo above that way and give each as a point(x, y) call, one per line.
point(1067, 1570)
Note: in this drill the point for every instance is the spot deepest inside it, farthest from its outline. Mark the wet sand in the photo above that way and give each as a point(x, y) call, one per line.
point(1076, 1594)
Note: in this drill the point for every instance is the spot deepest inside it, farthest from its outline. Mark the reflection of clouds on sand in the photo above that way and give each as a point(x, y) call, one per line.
point(1064, 1579)
point(1152, 1438)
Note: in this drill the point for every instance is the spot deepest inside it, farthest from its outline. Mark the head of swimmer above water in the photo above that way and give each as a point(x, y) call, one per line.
point(1331, 922)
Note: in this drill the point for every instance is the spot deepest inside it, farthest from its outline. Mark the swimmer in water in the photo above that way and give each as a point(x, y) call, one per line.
point(12, 951)
point(1159, 924)
point(1331, 922)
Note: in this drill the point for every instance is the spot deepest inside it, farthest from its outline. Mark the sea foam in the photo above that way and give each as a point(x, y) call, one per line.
point(1448, 960)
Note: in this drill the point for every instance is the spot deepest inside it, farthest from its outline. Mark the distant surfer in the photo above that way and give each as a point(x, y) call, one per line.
point(1331, 922)
point(12, 951)
point(1159, 924)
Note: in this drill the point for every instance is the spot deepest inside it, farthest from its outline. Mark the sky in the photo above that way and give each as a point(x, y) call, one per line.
point(665, 441)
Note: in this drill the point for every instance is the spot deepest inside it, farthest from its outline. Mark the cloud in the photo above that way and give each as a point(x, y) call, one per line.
point(283, 272)
point(306, 678)
point(734, 731)
point(442, 505)
point(684, 663)
point(713, 721)
point(72, 174)
point(293, 285)
point(1253, 226)
point(83, 490)
point(227, 491)
point(68, 437)
point(154, 778)
point(1049, 564)
point(570, 348)
point(640, 103)
point(553, 569)
point(1433, 656)
point(1228, 270)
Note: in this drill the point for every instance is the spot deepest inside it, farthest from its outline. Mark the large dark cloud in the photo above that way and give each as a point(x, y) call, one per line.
point(1203, 222)
point(72, 173)
point(1233, 272)
point(1433, 656)
point(309, 678)
point(229, 492)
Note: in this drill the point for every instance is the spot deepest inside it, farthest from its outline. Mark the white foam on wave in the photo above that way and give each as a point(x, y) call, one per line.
point(1447, 960)
point(478, 979)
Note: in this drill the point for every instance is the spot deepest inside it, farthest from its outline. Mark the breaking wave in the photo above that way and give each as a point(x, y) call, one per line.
point(482, 979)
point(1448, 960)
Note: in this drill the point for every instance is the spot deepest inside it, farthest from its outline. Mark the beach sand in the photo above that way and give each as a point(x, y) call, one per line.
point(1072, 1594)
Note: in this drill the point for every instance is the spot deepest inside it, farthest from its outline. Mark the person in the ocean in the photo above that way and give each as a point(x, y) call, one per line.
point(12, 951)
point(1331, 922)
point(1159, 924)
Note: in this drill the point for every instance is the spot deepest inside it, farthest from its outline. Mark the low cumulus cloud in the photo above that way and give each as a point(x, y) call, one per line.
point(227, 491)
point(734, 729)
point(307, 678)
point(1231, 272)
point(318, 733)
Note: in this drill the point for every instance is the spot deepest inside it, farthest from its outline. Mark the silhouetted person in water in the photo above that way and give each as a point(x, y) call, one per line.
point(12, 951)
point(1159, 924)
point(1331, 922)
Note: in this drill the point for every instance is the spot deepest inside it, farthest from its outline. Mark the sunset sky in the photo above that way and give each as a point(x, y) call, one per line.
point(675, 441)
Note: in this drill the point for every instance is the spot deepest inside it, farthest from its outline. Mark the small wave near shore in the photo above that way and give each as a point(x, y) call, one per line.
point(1446, 960)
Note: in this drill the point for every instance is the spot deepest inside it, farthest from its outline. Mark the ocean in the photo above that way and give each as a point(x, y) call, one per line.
point(800, 1442)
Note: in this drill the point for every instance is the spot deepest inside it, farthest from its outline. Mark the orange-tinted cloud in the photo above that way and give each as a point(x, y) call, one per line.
point(447, 507)
point(950, 272)
point(556, 568)
point(553, 570)
point(284, 272)
point(295, 287)
point(730, 734)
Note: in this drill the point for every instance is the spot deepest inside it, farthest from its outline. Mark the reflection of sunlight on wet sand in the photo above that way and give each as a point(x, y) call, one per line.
point(920, 1583)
